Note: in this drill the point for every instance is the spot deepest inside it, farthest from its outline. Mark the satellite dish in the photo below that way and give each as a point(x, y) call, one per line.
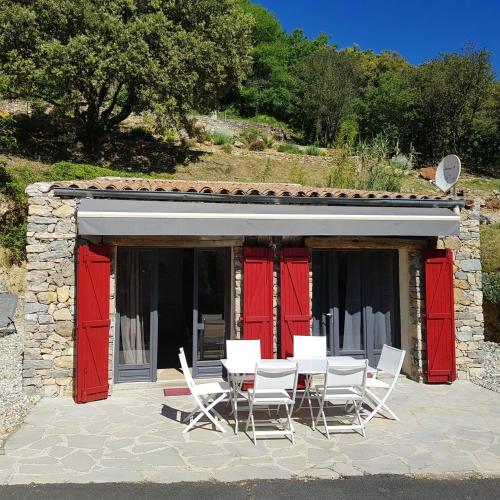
point(448, 172)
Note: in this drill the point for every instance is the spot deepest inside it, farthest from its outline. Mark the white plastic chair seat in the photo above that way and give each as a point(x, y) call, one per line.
point(212, 388)
point(340, 394)
point(269, 396)
point(376, 382)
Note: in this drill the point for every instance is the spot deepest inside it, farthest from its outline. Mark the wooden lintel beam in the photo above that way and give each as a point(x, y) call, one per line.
point(173, 242)
point(362, 242)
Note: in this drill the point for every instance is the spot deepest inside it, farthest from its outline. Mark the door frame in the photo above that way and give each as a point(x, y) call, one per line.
point(331, 325)
point(148, 372)
point(212, 368)
point(145, 372)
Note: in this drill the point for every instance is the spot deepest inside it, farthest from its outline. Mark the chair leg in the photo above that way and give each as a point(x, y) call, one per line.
point(380, 404)
point(360, 421)
point(253, 430)
point(250, 414)
point(311, 412)
point(290, 426)
point(206, 411)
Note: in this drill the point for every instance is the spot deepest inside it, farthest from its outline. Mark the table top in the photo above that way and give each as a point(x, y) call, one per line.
point(244, 366)
point(309, 366)
point(314, 366)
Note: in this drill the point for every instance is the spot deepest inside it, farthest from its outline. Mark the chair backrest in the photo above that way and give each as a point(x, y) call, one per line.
point(346, 376)
point(214, 329)
point(306, 347)
point(270, 377)
point(185, 369)
point(248, 350)
point(391, 360)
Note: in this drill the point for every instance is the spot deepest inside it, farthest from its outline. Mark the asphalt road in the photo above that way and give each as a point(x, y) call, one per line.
point(365, 488)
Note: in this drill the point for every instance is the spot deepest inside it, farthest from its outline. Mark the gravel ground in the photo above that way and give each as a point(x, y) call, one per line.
point(491, 363)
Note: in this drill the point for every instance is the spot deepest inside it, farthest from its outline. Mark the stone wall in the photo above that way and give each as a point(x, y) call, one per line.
point(469, 320)
point(416, 320)
point(50, 295)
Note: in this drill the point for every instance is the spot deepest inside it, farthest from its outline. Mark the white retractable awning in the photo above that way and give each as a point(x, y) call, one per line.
point(118, 217)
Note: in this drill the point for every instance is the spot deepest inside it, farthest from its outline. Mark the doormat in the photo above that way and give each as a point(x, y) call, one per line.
point(177, 391)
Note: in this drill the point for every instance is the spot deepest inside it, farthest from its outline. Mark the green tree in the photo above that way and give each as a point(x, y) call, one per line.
point(101, 60)
point(273, 85)
point(387, 107)
point(450, 94)
point(330, 83)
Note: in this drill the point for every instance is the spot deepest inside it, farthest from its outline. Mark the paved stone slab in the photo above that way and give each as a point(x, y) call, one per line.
point(131, 437)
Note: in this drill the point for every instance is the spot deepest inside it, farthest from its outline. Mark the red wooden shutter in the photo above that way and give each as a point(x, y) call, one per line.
point(295, 302)
point(439, 316)
point(257, 319)
point(92, 319)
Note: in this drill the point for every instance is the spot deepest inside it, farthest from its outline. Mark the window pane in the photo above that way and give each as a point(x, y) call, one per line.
point(211, 305)
point(134, 303)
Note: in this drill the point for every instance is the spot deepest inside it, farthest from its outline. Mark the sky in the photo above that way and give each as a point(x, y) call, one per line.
point(417, 29)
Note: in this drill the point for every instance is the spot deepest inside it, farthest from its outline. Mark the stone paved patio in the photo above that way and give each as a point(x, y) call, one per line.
point(133, 436)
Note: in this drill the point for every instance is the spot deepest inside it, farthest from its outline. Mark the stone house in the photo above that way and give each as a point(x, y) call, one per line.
point(123, 272)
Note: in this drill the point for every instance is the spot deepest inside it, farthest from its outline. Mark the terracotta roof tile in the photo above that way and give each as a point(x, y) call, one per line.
point(233, 188)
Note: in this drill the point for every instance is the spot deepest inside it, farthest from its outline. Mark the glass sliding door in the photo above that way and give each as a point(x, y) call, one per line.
point(356, 301)
point(211, 310)
point(135, 354)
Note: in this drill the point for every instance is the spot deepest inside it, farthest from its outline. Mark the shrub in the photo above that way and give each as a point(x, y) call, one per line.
point(380, 178)
point(13, 238)
point(248, 135)
point(401, 161)
point(140, 134)
point(290, 148)
point(491, 287)
point(221, 137)
point(490, 247)
point(342, 175)
point(377, 178)
point(314, 151)
point(7, 131)
point(346, 136)
point(67, 171)
point(297, 175)
point(227, 148)
point(257, 145)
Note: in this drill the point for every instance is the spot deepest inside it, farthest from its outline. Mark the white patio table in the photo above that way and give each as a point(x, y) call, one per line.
point(309, 367)
point(236, 376)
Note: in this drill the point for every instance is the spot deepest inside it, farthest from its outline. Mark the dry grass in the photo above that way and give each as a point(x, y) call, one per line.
point(14, 276)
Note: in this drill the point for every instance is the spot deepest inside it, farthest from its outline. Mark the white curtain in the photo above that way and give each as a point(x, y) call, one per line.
point(132, 312)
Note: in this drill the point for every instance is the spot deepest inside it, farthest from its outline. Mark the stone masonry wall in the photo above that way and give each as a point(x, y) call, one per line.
point(50, 294)
point(416, 309)
point(469, 321)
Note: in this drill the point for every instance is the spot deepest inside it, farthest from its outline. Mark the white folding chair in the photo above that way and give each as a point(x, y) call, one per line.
point(344, 387)
point(207, 396)
point(271, 385)
point(390, 362)
point(241, 353)
point(308, 347)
